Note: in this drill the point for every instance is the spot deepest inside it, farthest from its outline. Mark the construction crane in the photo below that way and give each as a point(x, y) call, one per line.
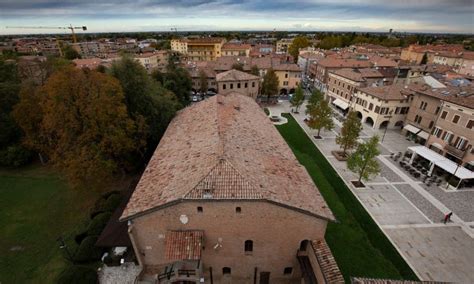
point(70, 27)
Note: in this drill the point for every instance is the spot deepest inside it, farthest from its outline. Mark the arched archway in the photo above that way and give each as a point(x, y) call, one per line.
point(193, 90)
point(399, 123)
point(212, 90)
point(384, 124)
point(304, 245)
point(359, 115)
point(292, 91)
point(369, 121)
point(284, 92)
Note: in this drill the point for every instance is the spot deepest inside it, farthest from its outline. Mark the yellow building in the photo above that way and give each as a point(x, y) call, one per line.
point(289, 77)
point(201, 49)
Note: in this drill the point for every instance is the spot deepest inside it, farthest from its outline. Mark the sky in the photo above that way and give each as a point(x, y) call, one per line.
point(450, 16)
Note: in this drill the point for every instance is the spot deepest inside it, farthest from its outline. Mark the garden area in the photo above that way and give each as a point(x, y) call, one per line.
point(36, 208)
point(357, 243)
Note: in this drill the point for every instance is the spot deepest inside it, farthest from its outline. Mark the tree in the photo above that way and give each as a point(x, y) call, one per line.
point(424, 59)
point(9, 89)
point(298, 42)
point(202, 81)
point(178, 81)
point(270, 84)
point(149, 104)
point(254, 70)
point(238, 66)
point(350, 130)
point(79, 120)
point(314, 99)
point(70, 53)
point(298, 99)
point(320, 116)
point(363, 161)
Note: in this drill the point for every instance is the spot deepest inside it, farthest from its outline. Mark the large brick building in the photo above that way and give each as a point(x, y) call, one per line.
point(224, 200)
point(235, 81)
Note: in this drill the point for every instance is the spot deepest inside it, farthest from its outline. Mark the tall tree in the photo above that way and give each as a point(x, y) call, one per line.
point(320, 116)
point(424, 59)
point(82, 124)
point(203, 85)
point(363, 161)
point(350, 131)
point(298, 42)
point(238, 66)
point(9, 89)
point(178, 81)
point(70, 53)
point(298, 99)
point(314, 99)
point(149, 104)
point(254, 70)
point(270, 84)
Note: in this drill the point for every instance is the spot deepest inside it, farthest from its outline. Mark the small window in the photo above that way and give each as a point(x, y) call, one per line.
point(238, 85)
point(248, 246)
point(226, 270)
point(288, 270)
point(231, 85)
point(224, 86)
point(456, 118)
point(253, 84)
point(199, 209)
point(238, 210)
point(444, 114)
point(246, 85)
point(431, 124)
point(470, 124)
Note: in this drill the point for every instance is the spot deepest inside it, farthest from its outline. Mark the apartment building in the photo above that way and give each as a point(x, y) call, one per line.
point(235, 81)
point(206, 206)
point(305, 59)
point(414, 53)
point(195, 74)
point(156, 60)
point(199, 49)
point(448, 58)
point(466, 67)
point(289, 77)
point(382, 107)
point(232, 49)
point(343, 83)
point(283, 44)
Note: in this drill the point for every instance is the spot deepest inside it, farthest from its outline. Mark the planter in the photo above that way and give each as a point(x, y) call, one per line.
point(318, 137)
point(339, 155)
point(357, 184)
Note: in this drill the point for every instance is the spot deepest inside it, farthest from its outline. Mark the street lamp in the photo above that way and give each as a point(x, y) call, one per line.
point(62, 245)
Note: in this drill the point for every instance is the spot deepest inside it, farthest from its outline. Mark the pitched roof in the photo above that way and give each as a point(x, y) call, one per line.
point(236, 46)
point(330, 62)
point(235, 75)
point(225, 147)
point(182, 245)
point(390, 92)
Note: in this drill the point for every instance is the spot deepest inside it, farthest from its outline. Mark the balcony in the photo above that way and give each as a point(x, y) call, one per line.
point(455, 151)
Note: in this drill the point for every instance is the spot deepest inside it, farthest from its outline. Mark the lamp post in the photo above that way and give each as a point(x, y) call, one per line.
point(62, 245)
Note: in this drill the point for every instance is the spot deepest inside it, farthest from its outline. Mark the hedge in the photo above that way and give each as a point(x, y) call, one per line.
point(77, 274)
point(98, 223)
point(87, 251)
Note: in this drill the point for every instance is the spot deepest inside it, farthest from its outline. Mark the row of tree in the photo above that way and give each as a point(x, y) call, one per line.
point(362, 161)
point(91, 125)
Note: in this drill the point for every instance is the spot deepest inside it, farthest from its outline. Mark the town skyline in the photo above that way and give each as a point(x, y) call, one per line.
point(342, 15)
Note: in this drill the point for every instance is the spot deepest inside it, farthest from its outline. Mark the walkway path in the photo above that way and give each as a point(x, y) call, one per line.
point(409, 212)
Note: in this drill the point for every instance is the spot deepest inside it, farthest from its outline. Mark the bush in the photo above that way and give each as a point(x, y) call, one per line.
point(112, 202)
point(267, 112)
point(103, 204)
point(77, 274)
point(80, 237)
point(110, 193)
point(15, 156)
point(98, 223)
point(87, 251)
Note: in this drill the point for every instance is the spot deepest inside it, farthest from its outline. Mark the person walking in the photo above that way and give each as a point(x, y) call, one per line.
point(447, 217)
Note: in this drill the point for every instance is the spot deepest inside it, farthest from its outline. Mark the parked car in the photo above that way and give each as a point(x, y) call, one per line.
point(210, 93)
point(195, 99)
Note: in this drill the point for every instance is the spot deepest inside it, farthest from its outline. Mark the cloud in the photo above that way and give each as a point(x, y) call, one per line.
point(411, 15)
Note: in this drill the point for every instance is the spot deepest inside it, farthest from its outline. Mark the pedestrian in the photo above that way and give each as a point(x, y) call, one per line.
point(449, 216)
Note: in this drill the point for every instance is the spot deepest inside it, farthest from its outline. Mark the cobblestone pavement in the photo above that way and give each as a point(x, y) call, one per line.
point(124, 274)
point(408, 211)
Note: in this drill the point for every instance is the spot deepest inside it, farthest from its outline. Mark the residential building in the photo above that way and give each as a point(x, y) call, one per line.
point(195, 74)
point(452, 59)
point(414, 53)
point(199, 49)
point(156, 60)
point(343, 83)
point(307, 58)
point(283, 44)
point(289, 77)
point(382, 107)
point(235, 81)
point(206, 206)
point(467, 65)
point(232, 49)
point(260, 50)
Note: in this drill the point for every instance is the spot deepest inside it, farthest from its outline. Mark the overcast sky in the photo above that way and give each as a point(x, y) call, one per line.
point(455, 16)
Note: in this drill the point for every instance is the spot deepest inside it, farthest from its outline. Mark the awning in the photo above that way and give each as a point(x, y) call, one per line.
point(423, 134)
point(411, 128)
point(437, 145)
point(182, 245)
point(442, 162)
point(341, 104)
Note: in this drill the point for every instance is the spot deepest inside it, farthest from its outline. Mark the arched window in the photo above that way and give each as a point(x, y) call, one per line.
point(248, 246)
point(226, 270)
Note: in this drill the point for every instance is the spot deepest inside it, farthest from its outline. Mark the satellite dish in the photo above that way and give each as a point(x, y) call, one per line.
point(184, 219)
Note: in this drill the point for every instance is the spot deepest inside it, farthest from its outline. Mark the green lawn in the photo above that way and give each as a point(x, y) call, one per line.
point(358, 245)
point(36, 207)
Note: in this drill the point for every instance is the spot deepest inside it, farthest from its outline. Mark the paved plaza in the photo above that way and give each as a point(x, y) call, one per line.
point(409, 212)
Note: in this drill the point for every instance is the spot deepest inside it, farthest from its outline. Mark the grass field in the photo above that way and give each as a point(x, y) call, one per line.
point(36, 207)
point(358, 245)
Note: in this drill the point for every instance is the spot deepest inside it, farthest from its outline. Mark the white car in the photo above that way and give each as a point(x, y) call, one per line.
point(195, 99)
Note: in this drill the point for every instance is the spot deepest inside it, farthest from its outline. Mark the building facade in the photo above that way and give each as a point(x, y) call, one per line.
point(199, 49)
point(235, 81)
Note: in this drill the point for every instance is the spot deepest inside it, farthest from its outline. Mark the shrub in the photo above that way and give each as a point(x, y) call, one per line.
point(98, 223)
point(15, 156)
point(112, 202)
point(267, 112)
point(77, 274)
point(103, 205)
point(80, 237)
point(87, 251)
point(110, 193)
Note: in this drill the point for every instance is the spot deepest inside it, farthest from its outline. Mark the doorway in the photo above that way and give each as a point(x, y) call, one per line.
point(264, 277)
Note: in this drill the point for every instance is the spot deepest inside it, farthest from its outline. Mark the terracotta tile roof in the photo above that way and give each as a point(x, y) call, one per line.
point(463, 96)
point(235, 75)
point(287, 67)
point(235, 46)
point(229, 136)
point(390, 92)
point(330, 62)
point(326, 261)
point(183, 245)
